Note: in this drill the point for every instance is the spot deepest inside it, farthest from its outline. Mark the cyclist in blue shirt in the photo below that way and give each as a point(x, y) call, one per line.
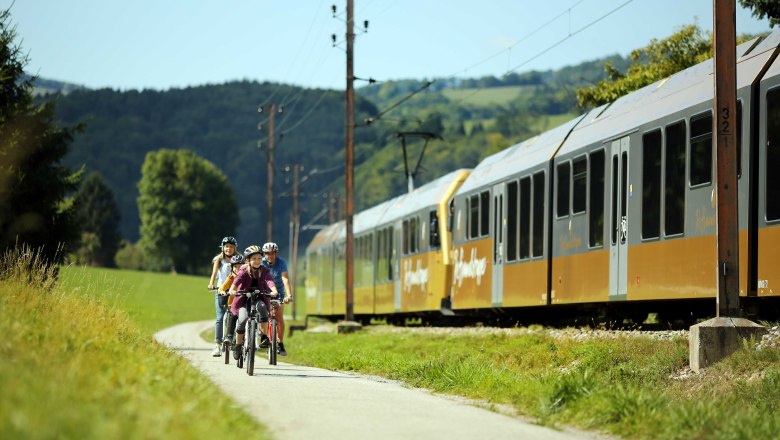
point(278, 268)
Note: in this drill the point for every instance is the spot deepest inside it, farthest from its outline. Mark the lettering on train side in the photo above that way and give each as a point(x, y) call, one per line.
point(416, 277)
point(474, 268)
point(704, 222)
point(572, 241)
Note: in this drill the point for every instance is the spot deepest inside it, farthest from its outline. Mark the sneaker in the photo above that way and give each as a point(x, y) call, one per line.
point(237, 352)
point(282, 351)
point(217, 352)
point(264, 341)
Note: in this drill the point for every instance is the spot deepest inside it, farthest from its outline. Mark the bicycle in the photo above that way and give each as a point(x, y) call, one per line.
point(250, 339)
point(273, 325)
point(227, 337)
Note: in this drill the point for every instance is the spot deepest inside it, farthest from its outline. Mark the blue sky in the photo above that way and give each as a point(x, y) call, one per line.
point(177, 43)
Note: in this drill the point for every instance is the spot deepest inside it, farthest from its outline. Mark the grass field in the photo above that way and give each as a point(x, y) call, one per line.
point(153, 300)
point(485, 97)
point(76, 366)
point(629, 386)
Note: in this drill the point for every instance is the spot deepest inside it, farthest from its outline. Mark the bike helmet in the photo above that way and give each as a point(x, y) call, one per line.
point(270, 247)
point(237, 259)
point(227, 240)
point(252, 250)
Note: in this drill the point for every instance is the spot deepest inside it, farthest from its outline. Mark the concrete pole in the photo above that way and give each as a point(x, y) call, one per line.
point(294, 241)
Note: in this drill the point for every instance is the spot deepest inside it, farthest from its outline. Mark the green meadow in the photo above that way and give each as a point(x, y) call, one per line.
point(77, 365)
point(633, 387)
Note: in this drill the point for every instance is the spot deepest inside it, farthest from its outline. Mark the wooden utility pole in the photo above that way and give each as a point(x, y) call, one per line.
point(295, 229)
point(331, 208)
point(349, 159)
point(269, 197)
point(725, 130)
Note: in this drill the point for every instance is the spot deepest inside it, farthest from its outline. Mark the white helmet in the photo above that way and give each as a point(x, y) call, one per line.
point(270, 247)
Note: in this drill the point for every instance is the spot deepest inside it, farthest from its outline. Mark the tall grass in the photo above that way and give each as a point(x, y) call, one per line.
point(72, 366)
point(627, 386)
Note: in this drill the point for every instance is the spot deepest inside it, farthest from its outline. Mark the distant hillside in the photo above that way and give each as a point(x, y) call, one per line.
point(476, 117)
point(218, 122)
point(42, 86)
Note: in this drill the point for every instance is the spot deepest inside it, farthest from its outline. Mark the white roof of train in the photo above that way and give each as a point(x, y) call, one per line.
point(680, 91)
point(525, 155)
point(428, 195)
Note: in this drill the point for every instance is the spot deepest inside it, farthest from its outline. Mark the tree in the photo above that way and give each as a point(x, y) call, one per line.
point(761, 8)
point(656, 61)
point(34, 208)
point(186, 206)
point(129, 256)
point(98, 214)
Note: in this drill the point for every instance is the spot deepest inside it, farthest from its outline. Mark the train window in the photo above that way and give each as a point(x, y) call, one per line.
point(525, 218)
point(414, 233)
point(484, 221)
point(538, 215)
point(773, 155)
point(511, 217)
point(579, 185)
point(390, 252)
point(405, 241)
point(674, 172)
point(739, 139)
point(434, 239)
point(451, 215)
point(596, 211)
point(615, 222)
point(564, 175)
point(473, 227)
point(701, 150)
point(651, 184)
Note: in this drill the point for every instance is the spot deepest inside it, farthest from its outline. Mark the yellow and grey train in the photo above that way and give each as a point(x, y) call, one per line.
point(613, 211)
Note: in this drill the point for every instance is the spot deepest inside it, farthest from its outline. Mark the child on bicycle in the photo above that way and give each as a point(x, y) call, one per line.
point(278, 268)
point(219, 273)
point(252, 276)
point(236, 262)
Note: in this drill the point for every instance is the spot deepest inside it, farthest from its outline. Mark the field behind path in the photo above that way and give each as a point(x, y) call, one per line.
point(632, 384)
point(153, 300)
point(74, 365)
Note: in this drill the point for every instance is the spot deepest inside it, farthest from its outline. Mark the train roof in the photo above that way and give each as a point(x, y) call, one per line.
point(425, 196)
point(522, 156)
point(773, 70)
point(680, 91)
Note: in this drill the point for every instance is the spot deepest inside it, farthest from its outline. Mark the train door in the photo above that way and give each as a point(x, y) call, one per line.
point(499, 232)
point(619, 221)
point(396, 255)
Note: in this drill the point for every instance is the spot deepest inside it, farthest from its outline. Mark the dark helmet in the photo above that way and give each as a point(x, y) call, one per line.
point(252, 250)
point(237, 259)
point(227, 240)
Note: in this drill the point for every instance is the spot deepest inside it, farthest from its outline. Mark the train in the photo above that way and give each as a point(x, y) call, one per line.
point(611, 214)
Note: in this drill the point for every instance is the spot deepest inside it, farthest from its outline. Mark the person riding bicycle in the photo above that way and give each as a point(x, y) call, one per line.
point(278, 268)
point(219, 273)
point(236, 262)
point(252, 276)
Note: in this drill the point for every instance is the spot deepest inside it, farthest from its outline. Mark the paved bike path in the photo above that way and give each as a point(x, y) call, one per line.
point(311, 403)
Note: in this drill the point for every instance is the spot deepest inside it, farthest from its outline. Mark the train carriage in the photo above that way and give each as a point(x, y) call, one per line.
point(614, 210)
point(768, 184)
point(401, 256)
point(501, 237)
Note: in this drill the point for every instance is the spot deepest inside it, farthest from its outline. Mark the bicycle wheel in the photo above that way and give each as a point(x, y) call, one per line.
point(251, 346)
point(226, 338)
point(272, 350)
